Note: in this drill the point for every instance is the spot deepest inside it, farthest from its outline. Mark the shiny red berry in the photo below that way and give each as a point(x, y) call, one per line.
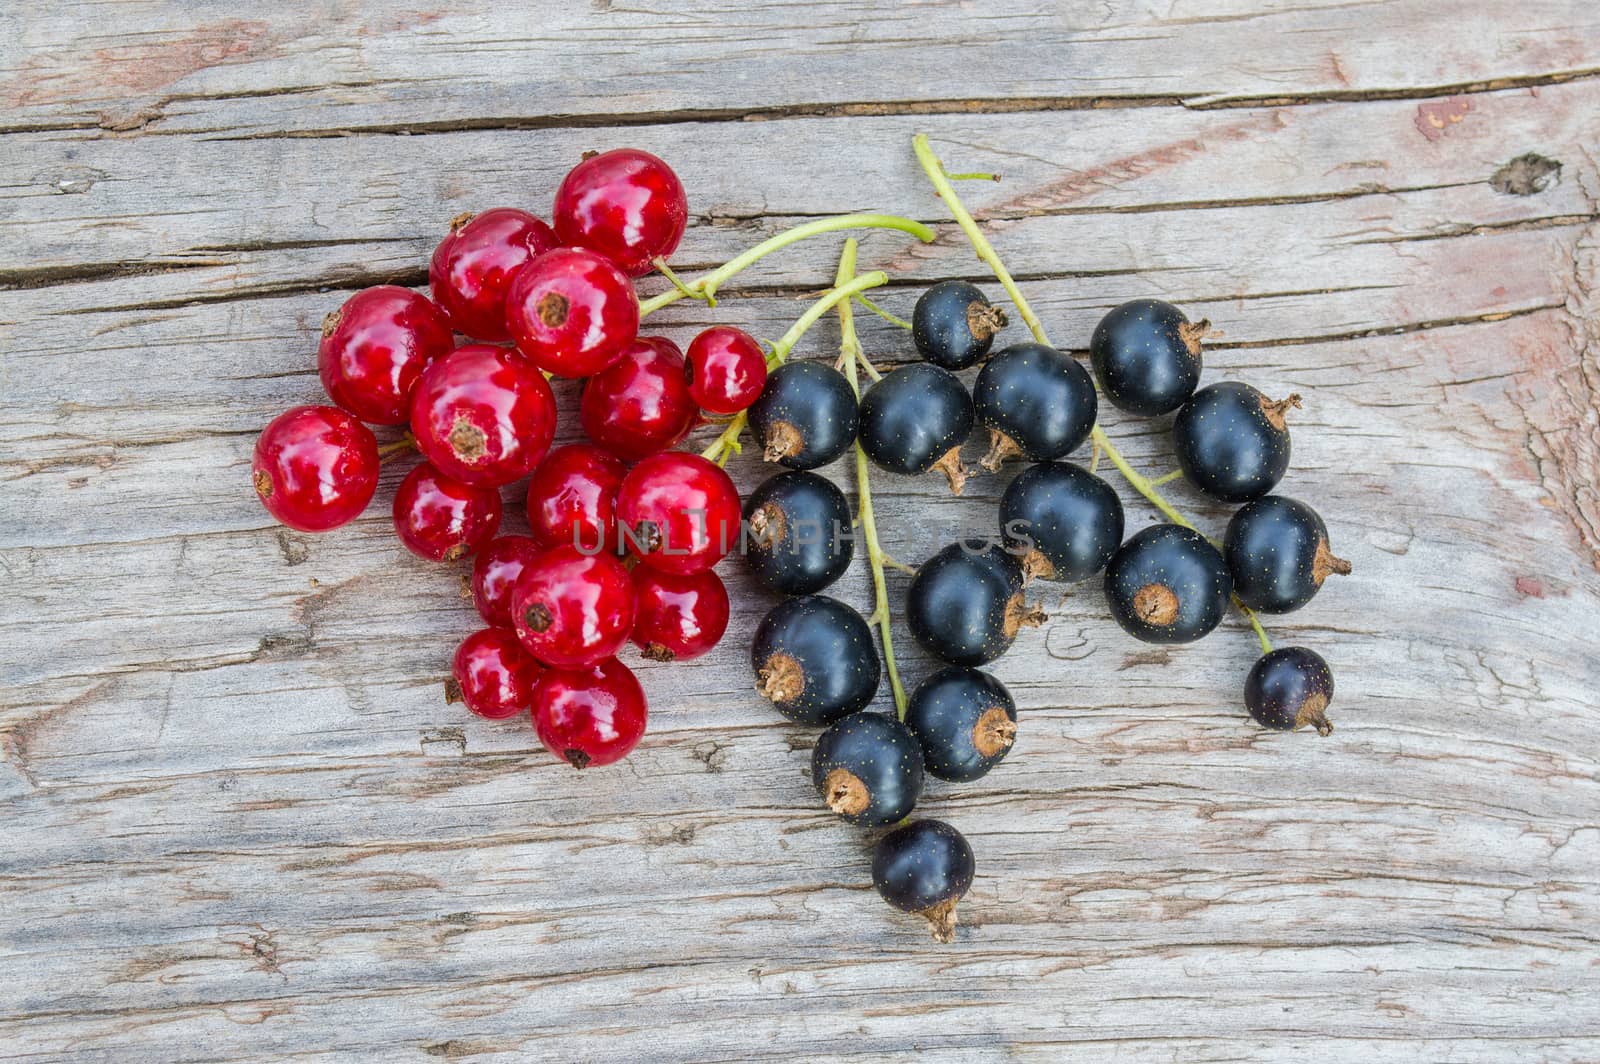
point(572, 609)
point(642, 404)
point(374, 349)
point(678, 512)
point(441, 519)
point(493, 675)
point(678, 617)
point(726, 370)
point(590, 717)
point(315, 468)
point(626, 204)
point(572, 312)
point(473, 266)
point(483, 415)
point(495, 572)
point(572, 498)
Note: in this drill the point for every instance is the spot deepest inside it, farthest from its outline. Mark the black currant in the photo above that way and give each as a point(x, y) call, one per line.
point(805, 416)
point(1290, 688)
point(798, 538)
point(868, 769)
point(965, 721)
point(954, 324)
point(1147, 356)
point(1277, 551)
point(1065, 521)
point(916, 419)
point(1232, 441)
point(1167, 584)
point(815, 660)
point(925, 867)
point(1036, 402)
point(965, 604)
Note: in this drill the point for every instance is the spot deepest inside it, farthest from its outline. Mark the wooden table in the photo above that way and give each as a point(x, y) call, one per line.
point(240, 822)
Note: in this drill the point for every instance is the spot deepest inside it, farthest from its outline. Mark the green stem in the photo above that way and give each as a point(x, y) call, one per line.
point(1250, 615)
point(1168, 479)
point(705, 287)
point(973, 175)
point(884, 314)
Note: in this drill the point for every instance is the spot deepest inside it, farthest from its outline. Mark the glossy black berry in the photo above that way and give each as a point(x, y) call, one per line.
point(965, 605)
point(1167, 584)
point(814, 659)
point(868, 769)
point(954, 324)
point(965, 721)
point(916, 419)
point(806, 415)
point(1062, 520)
point(1290, 688)
point(925, 867)
point(1277, 551)
point(1036, 402)
point(1146, 355)
point(1232, 441)
point(798, 537)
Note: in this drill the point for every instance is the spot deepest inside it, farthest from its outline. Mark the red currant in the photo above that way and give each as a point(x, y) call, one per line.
point(572, 312)
point(572, 498)
point(641, 405)
point(483, 415)
point(626, 204)
point(727, 370)
point(572, 609)
point(678, 512)
point(495, 572)
point(315, 468)
point(493, 675)
point(374, 349)
point(590, 717)
point(473, 266)
point(678, 617)
point(441, 519)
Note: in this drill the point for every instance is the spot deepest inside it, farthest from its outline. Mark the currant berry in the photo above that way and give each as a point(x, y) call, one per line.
point(965, 605)
point(474, 264)
point(814, 660)
point(954, 324)
point(678, 512)
point(374, 349)
point(677, 618)
point(726, 369)
point(1277, 551)
point(495, 572)
point(1147, 356)
point(572, 609)
point(442, 519)
point(1290, 688)
point(868, 769)
point(800, 538)
point(925, 867)
point(806, 416)
point(571, 312)
point(1167, 584)
point(1232, 441)
point(493, 675)
point(1063, 522)
point(483, 416)
point(1036, 402)
point(626, 204)
point(641, 405)
point(916, 419)
point(965, 721)
point(572, 498)
point(590, 717)
point(315, 468)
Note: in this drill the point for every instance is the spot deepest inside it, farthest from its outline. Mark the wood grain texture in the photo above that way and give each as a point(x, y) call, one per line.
point(242, 824)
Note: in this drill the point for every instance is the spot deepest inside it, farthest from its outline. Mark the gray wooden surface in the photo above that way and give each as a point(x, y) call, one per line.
point(241, 823)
